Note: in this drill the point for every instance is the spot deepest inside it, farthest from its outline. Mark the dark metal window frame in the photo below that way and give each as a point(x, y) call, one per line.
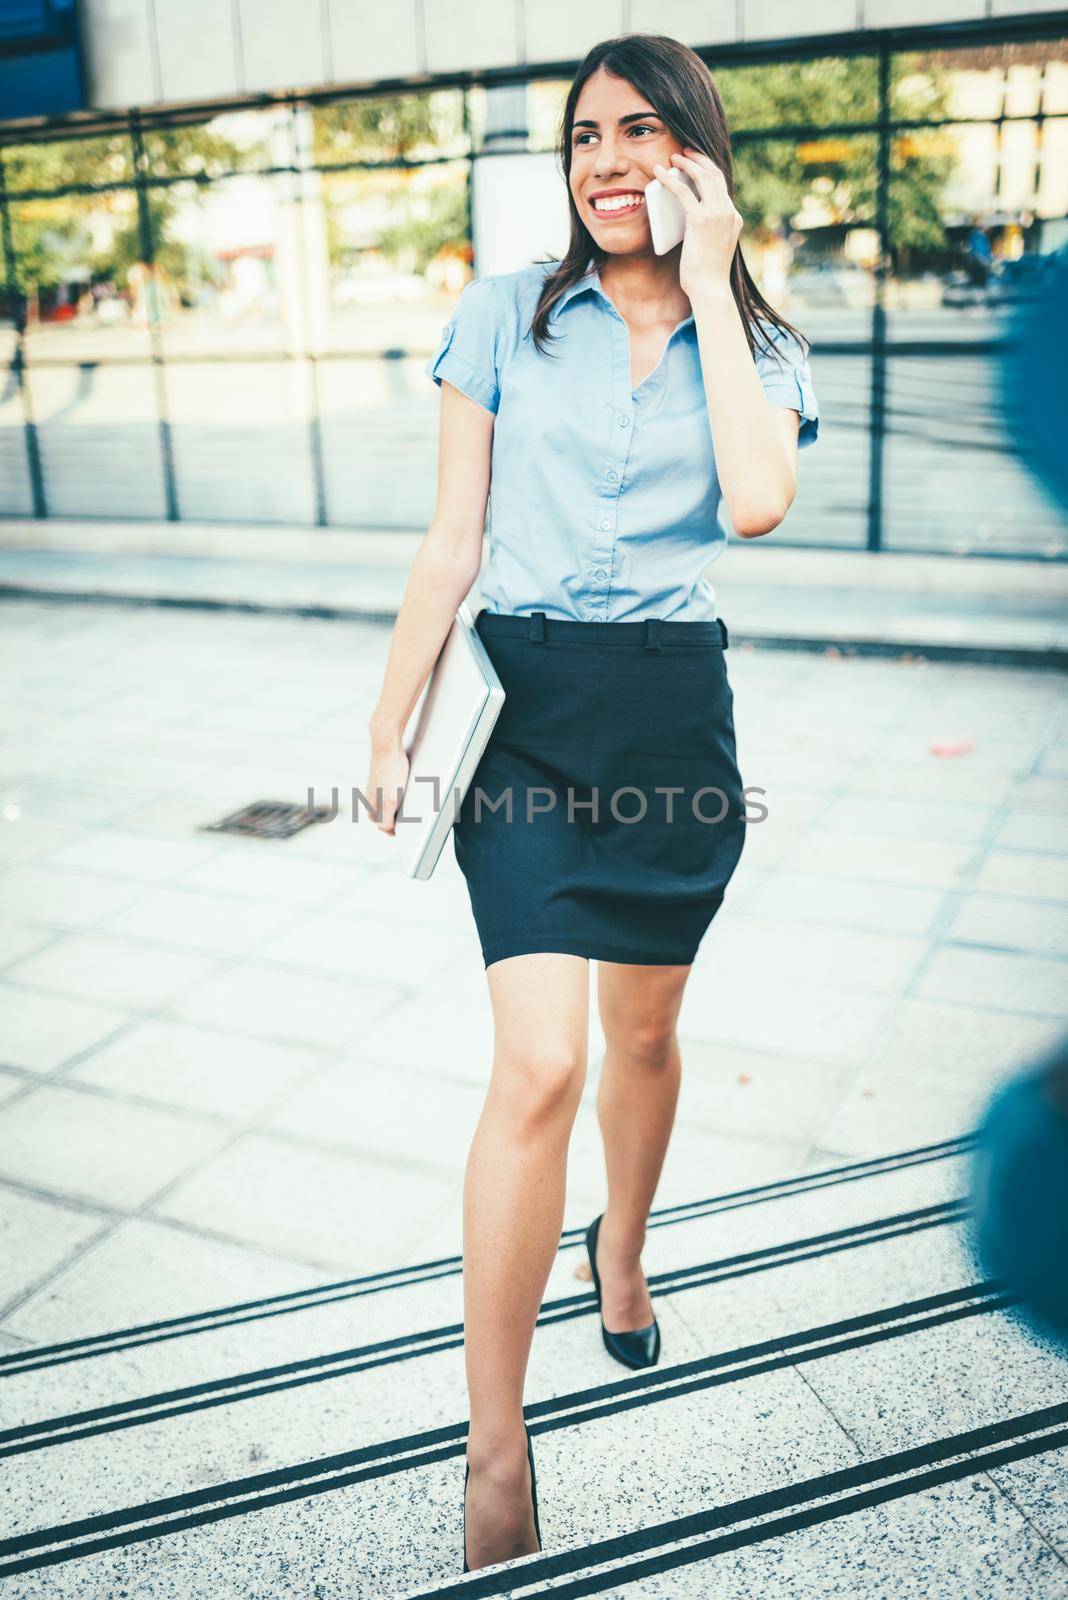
point(880, 46)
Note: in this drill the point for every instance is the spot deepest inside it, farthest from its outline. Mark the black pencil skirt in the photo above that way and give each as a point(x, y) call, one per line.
point(606, 816)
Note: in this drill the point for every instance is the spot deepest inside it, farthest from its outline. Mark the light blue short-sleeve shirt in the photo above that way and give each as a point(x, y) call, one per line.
point(605, 504)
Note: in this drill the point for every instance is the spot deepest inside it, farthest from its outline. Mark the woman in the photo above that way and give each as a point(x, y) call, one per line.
point(671, 393)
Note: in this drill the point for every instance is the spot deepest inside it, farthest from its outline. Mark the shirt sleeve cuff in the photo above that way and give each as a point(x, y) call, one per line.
point(794, 395)
point(448, 363)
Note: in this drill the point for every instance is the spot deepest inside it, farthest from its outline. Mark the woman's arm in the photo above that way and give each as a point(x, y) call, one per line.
point(755, 442)
point(445, 566)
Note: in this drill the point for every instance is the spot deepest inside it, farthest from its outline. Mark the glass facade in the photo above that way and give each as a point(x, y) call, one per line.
point(225, 317)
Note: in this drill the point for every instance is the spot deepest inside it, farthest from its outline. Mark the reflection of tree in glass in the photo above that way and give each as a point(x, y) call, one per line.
point(432, 221)
point(51, 248)
point(53, 239)
point(425, 217)
point(178, 266)
point(776, 174)
point(68, 163)
point(400, 128)
point(203, 150)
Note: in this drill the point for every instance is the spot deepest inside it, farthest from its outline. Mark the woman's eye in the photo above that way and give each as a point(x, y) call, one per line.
point(644, 126)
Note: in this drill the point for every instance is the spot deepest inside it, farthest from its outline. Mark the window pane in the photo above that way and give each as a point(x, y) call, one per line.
point(975, 210)
point(538, 108)
point(78, 264)
point(240, 432)
point(809, 242)
point(16, 495)
point(66, 163)
point(412, 127)
point(832, 497)
point(1051, 184)
point(236, 141)
point(801, 94)
point(545, 109)
point(229, 265)
point(986, 81)
point(10, 314)
point(1055, 83)
point(952, 481)
point(386, 255)
point(811, 248)
point(379, 440)
point(99, 437)
point(942, 199)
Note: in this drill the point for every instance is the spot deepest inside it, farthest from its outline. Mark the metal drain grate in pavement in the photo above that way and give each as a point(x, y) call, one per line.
point(270, 819)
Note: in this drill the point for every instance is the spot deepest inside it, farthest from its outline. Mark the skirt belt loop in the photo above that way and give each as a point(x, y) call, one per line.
point(723, 631)
point(537, 627)
point(652, 634)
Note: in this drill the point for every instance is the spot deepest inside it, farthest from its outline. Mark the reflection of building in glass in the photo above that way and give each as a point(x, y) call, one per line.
point(1009, 175)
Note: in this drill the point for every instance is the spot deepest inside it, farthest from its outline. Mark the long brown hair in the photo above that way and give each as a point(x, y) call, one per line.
point(678, 86)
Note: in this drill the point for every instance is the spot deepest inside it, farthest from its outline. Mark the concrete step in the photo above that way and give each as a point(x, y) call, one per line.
point(834, 1371)
point(780, 597)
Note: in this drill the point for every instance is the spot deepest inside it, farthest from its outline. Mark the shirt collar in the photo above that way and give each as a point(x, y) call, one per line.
point(591, 279)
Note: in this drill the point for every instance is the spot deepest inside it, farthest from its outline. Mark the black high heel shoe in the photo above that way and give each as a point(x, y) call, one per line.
point(533, 1496)
point(637, 1348)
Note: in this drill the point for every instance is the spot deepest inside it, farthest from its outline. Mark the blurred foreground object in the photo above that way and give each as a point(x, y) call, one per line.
point(1020, 1190)
point(1032, 377)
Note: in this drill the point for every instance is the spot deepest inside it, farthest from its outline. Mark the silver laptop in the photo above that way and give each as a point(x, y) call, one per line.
point(460, 704)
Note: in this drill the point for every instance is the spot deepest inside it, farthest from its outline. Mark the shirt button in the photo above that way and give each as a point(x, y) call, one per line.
point(611, 476)
point(600, 573)
point(623, 421)
point(605, 525)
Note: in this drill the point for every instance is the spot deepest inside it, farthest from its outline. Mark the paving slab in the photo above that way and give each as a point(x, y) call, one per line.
point(110, 970)
point(37, 1236)
point(953, 1377)
point(199, 1069)
point(140, 1271)
point(39, 1030)
point(1002, 922)
point(56, 898)
point(314, 1204)
point(284, 1006)
point(79, 1144)
point(1009, 979)
point(1036, 1487)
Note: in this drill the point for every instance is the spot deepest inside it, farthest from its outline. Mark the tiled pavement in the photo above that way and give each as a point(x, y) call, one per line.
point(243, 1075)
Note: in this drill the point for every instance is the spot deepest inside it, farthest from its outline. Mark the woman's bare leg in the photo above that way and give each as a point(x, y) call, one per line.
point(513, 1215)
point(636, 1100)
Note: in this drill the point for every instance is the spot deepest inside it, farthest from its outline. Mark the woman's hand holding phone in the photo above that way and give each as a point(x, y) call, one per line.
point(712, 225)
point(667, 219)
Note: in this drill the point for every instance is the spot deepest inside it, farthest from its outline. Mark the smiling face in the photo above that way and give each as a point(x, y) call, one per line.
point(616, 139)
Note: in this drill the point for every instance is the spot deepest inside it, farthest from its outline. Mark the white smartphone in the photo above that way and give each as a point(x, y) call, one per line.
point(667, 219)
